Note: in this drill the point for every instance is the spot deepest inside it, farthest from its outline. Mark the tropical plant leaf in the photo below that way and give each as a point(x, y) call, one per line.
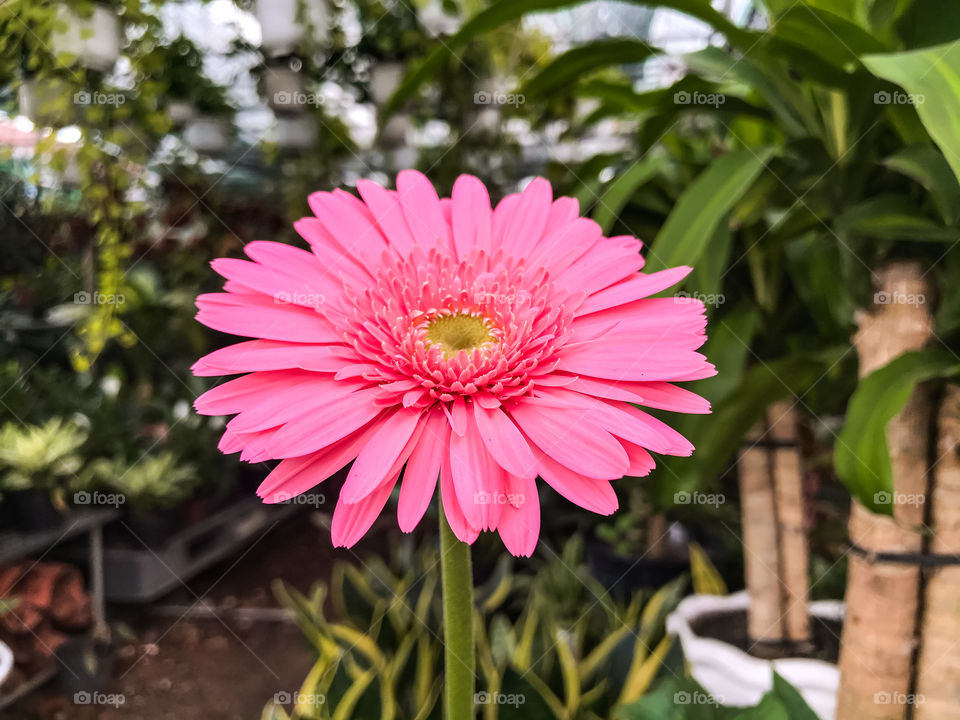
point(509, 11)
point(580, 61)
point(706, 578)
point(861, 454)
point(927, 165)
point(703, 206)
point(892, 217)
point(619, 192)
point(931, 76)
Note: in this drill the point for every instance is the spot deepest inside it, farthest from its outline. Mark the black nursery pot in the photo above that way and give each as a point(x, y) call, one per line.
point(154, 527)
point(628, 573)
point(85, 666)
point(33, 510)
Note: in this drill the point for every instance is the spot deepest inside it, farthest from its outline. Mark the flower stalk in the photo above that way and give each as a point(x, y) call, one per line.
point(458, 641)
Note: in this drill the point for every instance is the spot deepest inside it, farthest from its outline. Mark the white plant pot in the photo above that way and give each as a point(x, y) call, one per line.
point(205, 133)
point(385, 77)
point(181, 112)
point(285, 88)
point(296, 132)
point(280, 30)
point(6, 663)
point(735, 678)
point(94, 40)
point(50, 103)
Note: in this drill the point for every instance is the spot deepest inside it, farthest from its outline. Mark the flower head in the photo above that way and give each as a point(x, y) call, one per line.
point(434, 340)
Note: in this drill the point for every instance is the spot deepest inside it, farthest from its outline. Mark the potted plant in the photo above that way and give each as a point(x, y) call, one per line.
point(284, 85)
point(154, 488)
point(177, 67)
point(283, 23)
point(211, 130)
point(89, 32)
point(35, 461)
point(296, 132)
point(392, 36)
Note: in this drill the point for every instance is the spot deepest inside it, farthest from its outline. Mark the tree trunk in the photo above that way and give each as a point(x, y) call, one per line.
point(938, 667)
point(881, 601)
point(775, 541)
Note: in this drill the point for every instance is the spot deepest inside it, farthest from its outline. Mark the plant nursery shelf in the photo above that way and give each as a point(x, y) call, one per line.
point(15, 545)
point(143, 574)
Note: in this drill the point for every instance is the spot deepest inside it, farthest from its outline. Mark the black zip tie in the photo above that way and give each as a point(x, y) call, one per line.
point(904, 558)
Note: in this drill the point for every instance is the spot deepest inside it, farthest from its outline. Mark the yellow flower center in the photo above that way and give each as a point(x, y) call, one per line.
point(454, 333)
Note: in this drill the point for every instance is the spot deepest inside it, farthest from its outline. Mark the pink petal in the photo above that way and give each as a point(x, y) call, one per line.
point(572, 438)
point(634, 288)
point(352, 520)
point(451, 506)
point(325, 425)
point(332, 254)
point(388, 211)
point(298, 474)
point(521, 231)
point(235, 395)
point(352, 229)
point(595, 495)
point(374, 462)
point(421, 207)
point(471, 216)
point(661, 395)
point(648, 365)
point(519, 525)
point(271, 355)
point(291, 402)
point(261, 317)
point(505, 442)
point(477, 479)
point(422, 471)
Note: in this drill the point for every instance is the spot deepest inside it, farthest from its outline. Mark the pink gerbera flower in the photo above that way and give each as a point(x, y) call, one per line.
point(439, 340)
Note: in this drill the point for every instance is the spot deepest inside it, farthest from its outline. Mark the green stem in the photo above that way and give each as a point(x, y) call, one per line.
point(457, 623)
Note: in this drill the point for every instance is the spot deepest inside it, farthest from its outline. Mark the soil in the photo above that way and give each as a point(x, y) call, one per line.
point(171, 667)
point(731, 628)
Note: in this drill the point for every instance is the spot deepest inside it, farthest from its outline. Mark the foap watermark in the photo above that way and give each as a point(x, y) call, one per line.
point(299, 699)
point(299, 298)
point(498, 498)
point(97, 298)
point(682, 97)
point(494, 97)
point(898, 498)
point(897, 97)
point(308, 498)
point(100, 499)
point(709, 299)
point(898, 698)
point(114, 700)
point(886, 297)
point(85, 97)
point(682, 697)
point(499, 698)
point(686, 497)
point(285, 98)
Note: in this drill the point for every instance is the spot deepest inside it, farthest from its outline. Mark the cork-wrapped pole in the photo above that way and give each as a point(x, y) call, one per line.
point(881, 601)
point(938, 667)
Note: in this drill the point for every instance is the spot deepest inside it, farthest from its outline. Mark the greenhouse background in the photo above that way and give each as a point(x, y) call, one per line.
point(801, 156)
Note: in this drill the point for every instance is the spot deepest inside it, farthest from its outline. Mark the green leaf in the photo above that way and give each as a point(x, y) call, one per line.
point(510, 11)
point(616, 196)
point(826, 34)
point(927, 165)
point(892, 217)
point(573, 64)
point(794, 703)
point(931, 76)
point(861, 455)
point(703, 206)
